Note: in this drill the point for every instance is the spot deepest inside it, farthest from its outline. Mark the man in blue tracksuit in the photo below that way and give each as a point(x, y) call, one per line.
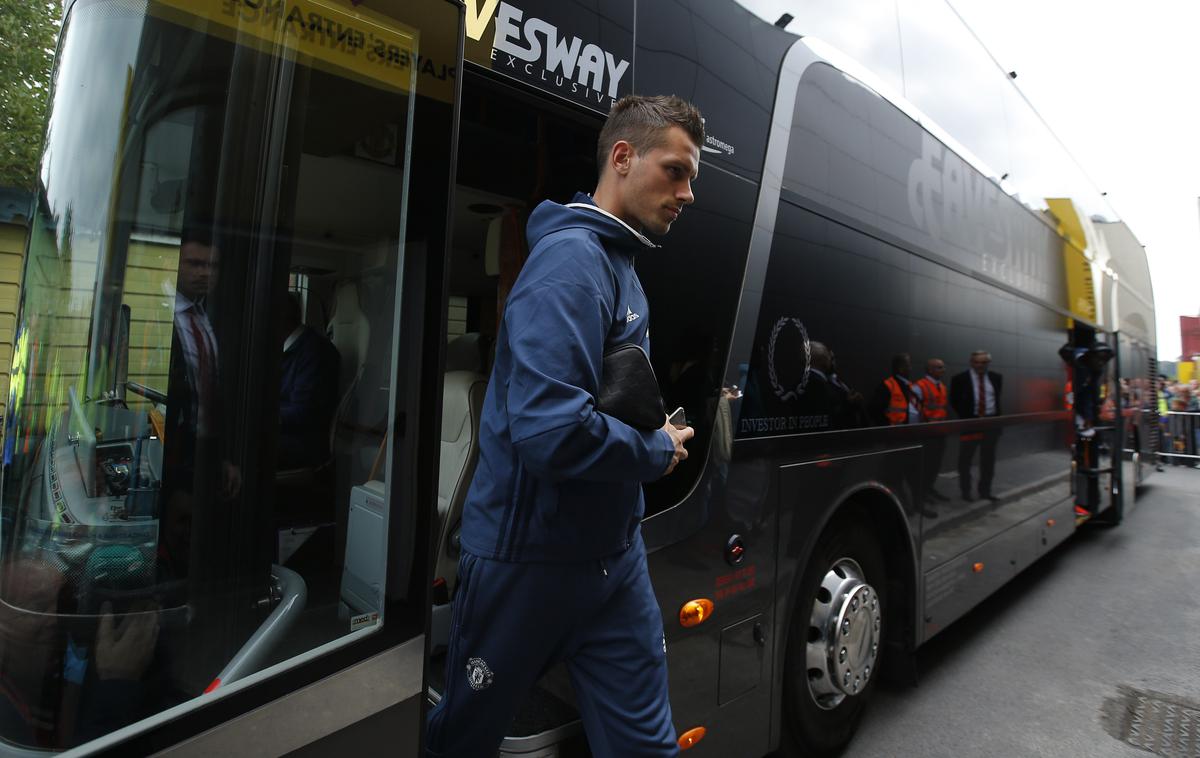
point(553, 565)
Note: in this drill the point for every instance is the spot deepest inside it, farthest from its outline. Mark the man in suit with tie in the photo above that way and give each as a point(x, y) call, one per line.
point(194, 467)
point(192, 378)
point(975, 393)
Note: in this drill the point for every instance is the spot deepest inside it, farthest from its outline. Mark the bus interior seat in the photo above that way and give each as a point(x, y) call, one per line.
point(462, 404)
point(362, 326)
point(349, 330)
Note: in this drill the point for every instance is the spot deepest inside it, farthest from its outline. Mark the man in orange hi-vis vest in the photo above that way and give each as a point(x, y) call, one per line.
point(932, 393)
point(894, 401)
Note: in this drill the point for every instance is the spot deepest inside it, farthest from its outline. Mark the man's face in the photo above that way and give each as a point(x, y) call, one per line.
point(659, 182)
point(198, 265)
point(980, 363)
point(936, 369)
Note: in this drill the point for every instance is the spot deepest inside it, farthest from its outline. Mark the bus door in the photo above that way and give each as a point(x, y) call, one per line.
point(219, 464)
point(515, 150)
point(1137, 379)
point(1095, 401)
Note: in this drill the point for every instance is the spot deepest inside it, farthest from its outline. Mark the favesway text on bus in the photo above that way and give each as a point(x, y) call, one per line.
point(953, 203)
point(533, 46)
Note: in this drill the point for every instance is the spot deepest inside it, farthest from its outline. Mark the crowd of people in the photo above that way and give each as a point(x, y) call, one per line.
point(1181, 432)
point(1180, 397)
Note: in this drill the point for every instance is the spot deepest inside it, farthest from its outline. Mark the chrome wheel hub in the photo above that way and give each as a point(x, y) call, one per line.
point(843, 635)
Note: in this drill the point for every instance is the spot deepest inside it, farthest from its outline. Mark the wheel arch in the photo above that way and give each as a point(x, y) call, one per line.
point(877, 507)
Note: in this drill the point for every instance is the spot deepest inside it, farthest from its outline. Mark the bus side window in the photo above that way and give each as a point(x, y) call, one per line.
point(692, 284)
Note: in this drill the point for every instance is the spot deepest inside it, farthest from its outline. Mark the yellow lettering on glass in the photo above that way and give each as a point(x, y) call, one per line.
point(354, 40)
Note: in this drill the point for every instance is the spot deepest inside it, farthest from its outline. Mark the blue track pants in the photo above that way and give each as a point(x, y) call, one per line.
point(513, 621)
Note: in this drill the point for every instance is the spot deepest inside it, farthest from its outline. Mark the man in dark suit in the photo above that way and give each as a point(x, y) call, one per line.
point(195, 467)
point(976, 393)
point(307, 391)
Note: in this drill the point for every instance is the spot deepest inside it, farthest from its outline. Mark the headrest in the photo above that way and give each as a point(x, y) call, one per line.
point(465, 353)
point(491, 248)
point(349, 329)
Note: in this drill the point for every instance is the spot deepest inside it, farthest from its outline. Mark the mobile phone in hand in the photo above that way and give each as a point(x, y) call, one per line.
point(678, 418)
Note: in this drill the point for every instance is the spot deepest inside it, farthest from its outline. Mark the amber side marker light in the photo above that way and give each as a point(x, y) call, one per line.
point(977, 568)
point(695, 612)
point(691, 737)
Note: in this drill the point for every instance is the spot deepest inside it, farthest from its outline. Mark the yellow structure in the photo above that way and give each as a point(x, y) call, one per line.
point(1081, 286)
point(150, 295)
point(151, 268)
point(12, 249)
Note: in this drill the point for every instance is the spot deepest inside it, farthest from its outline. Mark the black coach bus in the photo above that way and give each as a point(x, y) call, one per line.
point(215, 540)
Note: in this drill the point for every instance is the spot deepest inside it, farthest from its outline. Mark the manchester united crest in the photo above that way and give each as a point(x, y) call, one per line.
point(479, 676)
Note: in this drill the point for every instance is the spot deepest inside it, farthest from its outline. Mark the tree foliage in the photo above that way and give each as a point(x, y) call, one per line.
point(29, 31)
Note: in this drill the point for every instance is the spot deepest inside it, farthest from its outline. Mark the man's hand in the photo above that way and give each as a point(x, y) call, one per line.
point(679, 437)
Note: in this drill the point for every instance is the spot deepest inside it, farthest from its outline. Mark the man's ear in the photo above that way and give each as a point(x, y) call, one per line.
point(621, 156)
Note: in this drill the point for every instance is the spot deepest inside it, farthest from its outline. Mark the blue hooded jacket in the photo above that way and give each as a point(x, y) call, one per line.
point(557, 480)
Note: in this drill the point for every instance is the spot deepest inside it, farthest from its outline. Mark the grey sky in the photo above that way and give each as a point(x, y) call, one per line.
point(1116, 82)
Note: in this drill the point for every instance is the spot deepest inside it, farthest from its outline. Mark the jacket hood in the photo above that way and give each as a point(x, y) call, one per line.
point(582, 213)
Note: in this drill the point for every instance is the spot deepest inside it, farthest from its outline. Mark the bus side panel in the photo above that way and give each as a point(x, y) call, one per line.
point(958, 585)
point(718, 669)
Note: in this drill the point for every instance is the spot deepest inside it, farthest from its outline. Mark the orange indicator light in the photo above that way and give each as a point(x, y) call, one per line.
point(691, 737)
point(695, 612)
point(1050, 522)
point(977, 568)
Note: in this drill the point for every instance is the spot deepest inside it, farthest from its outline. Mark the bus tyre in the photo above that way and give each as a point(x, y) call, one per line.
point(835, 640)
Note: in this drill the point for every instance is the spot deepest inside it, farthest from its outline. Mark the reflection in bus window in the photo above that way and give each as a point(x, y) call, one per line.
point(195, 481)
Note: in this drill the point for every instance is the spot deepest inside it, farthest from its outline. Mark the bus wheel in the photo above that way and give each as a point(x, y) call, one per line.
point(835, 640)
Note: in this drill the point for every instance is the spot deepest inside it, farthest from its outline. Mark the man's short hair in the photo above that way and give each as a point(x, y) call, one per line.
point(198, 231)
point(642, 121)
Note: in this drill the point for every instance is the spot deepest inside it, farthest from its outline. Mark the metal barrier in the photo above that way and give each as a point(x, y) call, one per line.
point(1180, 438)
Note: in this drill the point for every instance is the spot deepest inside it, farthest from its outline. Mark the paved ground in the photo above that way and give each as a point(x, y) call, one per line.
point(1052, 664)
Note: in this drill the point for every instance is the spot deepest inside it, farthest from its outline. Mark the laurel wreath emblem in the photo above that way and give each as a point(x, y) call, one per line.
point(798, 390)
